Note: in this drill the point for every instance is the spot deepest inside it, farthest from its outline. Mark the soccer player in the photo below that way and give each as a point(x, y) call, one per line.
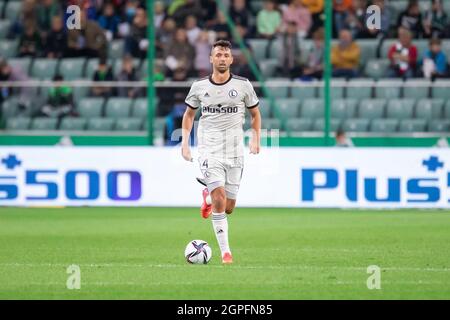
point(223, 99)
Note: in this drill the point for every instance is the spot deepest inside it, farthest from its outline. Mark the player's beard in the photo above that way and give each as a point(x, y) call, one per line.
point(222, 69)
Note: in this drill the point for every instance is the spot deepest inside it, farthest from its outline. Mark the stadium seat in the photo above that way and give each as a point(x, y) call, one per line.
point(343, 108)
point(12, 10)
point(73, 124)
point(44, 124)
point(386, 46)
point(8, 48)
point(159, 124)
point(371, 108)
point(377, 68)
point(356, 125)
point(439, 126)
point(91, 107)
point(18, 124)
point(336, 90)
point(388, 89)
point(440, 89)
point(92, 65)
point(130, 124)
point(100, 124)
point(118, 107)
point(271, 124)
point(21, 63)
point(140, 107)
point(429, 108)
point(416, 89)
point(312, 109)
point(44, 69)
point(116, 49)
point(278, 89)
point(72, 68)
point(80, 92)
point(384, 125)
point(304, 90)
point(4, 27)
point(422, 46)
point(319, 124)
point(265, 108)
point(10, 108)
point(289, 108)
point(268, 67)
point(413, 125)
point(400, 108)
point(447, 110)
point(259, 47)
point(117, 65)
point(360, 89)
point(299, 125)
point(275, 49)
point(368, 50)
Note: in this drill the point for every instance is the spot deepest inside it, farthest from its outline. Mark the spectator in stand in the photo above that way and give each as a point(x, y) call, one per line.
point(240, 16)
point(345, 56)
point(241, 66)
point(411, 19)
point(268, 20)
point(56, 44)
point(46, 10)
point(202, 46)
point(341, 11)
point(434, 62)
point(356, 19)
point(209, 11)
point(103, 74)
point(90, 41)
point(342, 140)
point(160, 14)
point(315, 7)
point(128, 73)
point(436, 22)
point(109, 20)
point(30, 43)
point(403, 56)
point(290, 56)
point(221, 27)
point(297, 13)
point(164, 36)
point(136, 44)
point(179, 10)
point(27, 16)
point(192, 29)
point(59, 101)
point(382, 33)
point(180, 54)
point(313, 68)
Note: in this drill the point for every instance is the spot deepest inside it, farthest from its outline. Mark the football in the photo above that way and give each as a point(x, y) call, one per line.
point(198, 252)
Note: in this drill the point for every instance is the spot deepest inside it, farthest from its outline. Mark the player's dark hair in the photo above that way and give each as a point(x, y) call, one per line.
point(222, 43)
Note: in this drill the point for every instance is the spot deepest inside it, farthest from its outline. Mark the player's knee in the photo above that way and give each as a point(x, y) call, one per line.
point(218, 198)
point(229, 210)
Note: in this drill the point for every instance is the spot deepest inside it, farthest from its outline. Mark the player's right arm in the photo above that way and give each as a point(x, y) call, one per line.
point(188, 122)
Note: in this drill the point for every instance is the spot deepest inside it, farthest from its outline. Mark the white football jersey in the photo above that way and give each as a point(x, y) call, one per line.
point(220, 131)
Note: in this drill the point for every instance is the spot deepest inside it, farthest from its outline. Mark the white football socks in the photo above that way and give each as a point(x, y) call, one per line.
point(220, 226)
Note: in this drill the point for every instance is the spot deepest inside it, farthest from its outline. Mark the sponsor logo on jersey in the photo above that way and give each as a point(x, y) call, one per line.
point(233, 93)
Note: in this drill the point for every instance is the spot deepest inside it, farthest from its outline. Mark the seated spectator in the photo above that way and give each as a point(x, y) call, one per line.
point(411, 19)
point(26, 94)
point(221, 27)
point(160, 14)
point(345, 56)
point(356, 19)
point(403, 55)
point(202, 52)
point(192, 29)
point(109, 20)
point(46, 10)
point(342, 9)
point(172, 130)
point(103, 73)
point(313, 67)
point(27, 16)
point(296, 12)
point(434, 64)
point(209, 13)
point(382, 33)
point(240, 16)
point(180, 53)
point(315, 7)
point(179, 10)
point(164, 36)
point(290, 55)
point(128, 73)
point(241, 66)
point(56, 44)
point(59, 101)
point(268, 20)
point(436, 22)
point(342, 140)
point(136, 44)
point(30, 43)
point(90, 41)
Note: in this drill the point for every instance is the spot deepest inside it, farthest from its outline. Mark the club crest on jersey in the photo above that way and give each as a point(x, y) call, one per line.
point(232, 93)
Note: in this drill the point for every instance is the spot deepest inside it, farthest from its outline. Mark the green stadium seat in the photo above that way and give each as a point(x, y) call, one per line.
point(270, 124)
point(289, 108)
point(413, 125)
point(312, 109)
point(21, 63)
point(117, 65)
point(416, 89)
point(8, 48)
point(4, 27)
point(440, 89)
point(336, 91)
point(130, 124)
point(377, 68)
point(371, 108)
point(72, 68)
point(388, 89)
point(299, 125)
point(268, 67)
point(356, 125)
point(439, 126)
point(116, 49)
point(446, 45)
point(259, 47)
point(275, 49)
point(319, 124)
point(44, 124)
point(10, 108)
point(447, 110)
point(368, 50)
point(100, 124)
point(159, 124)
point(429, 108)
point(384, 125)
point(16, 124)
point(73, 124)
point(44, 69)
point(278, 89)
point(422, 46)
point(386, 46)
point(140, 106)
point(91, 107)
point(80, 92)
point(360, 89)
point(118, 107)
point(400, 108)
point(92, 65)
point(12, 10)
point(265, 108)
point(343, 108)
point(304, 90)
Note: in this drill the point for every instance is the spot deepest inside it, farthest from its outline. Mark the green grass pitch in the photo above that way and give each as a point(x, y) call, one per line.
point(137, 253)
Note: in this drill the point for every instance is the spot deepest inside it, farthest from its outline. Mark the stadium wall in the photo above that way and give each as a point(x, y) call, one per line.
point(278, 177)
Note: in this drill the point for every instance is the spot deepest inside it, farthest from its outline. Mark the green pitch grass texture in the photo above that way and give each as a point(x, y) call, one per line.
point(137, 253)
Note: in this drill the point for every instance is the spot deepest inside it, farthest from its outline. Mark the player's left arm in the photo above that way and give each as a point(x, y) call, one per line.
point(255, 142)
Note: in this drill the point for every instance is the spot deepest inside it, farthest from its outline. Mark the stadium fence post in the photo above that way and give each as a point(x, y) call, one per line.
point(150, 71)
point(327, 73)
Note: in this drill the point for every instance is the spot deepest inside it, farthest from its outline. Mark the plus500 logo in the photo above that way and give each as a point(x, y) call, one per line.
point(425, 188)
point(46, 179)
